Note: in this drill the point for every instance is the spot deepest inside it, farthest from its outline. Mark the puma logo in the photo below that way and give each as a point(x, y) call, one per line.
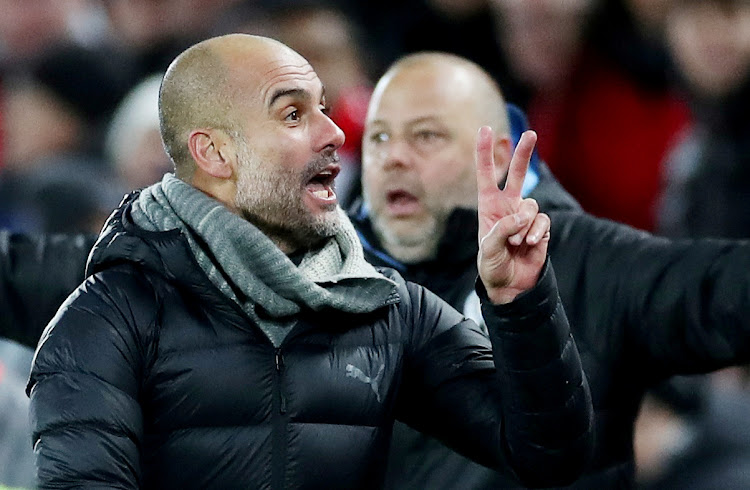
point(356, 373)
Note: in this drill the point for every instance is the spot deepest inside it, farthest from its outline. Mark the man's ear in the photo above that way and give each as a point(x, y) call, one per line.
point(212, 151)
point(503, 152)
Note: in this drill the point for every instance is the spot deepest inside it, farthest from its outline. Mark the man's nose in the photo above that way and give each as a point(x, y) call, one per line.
point(330, 136)
point(396, 153)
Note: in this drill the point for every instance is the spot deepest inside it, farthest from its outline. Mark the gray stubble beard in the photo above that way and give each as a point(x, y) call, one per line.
point(265, 199)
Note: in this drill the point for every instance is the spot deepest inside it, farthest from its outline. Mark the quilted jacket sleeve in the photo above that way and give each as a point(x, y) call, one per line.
point(521, 404)
point(671, 307)
point(85, 416)
point(37, 273)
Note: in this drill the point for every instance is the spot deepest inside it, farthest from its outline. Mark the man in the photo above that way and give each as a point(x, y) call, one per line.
point(642, 308)
point(231, 335)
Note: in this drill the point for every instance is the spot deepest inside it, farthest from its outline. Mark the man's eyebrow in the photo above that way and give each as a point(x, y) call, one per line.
point(423, 119)
point(284, 92)
point(411, 122)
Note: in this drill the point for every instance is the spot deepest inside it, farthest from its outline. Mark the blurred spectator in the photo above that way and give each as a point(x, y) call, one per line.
point(462, 28)
point(147, 34)
point(542, 40)
point(30, 29)
point(250, 17)
point(133, 143)
point(600, 98)
point(27, 28)
point(37, 123)
point(75, 192)
point(693, 434)
point(708, 173)
point(16, 455)
point(55, 112)
point(60, 104)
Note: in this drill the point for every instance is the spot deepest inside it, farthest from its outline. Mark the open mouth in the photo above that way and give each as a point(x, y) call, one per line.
point(401, 202)
point(321, 185)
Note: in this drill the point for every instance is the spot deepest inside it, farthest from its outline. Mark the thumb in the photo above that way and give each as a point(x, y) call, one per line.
point(501, 231)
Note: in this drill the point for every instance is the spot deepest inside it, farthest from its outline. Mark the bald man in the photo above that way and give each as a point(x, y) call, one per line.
point(642, 308)
point(230, 334)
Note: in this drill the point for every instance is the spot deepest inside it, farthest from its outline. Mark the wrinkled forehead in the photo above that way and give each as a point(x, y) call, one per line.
point(287, 74)
point(282, 69)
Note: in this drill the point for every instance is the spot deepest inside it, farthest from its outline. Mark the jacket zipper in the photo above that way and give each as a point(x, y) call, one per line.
point(279, 424)
point(279, 358)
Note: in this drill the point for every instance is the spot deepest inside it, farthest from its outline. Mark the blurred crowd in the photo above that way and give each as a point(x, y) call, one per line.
point(641, 107)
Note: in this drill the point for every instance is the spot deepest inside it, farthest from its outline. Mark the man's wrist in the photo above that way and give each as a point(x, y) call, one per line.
point(502, 296)
point(525, 309)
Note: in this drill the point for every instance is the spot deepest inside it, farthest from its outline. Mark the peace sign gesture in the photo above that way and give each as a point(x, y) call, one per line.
point(513, 234)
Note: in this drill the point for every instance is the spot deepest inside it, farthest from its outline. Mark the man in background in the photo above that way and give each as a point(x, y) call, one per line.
point(642, 308)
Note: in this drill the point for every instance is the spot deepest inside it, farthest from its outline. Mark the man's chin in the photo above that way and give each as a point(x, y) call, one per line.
point(327, 225)
point(406, 228)
point(410, 252)
point(407, 240)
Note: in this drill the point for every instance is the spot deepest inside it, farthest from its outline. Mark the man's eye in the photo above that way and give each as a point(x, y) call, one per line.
point(292, 116)
point(379, 137)
point(427, 136)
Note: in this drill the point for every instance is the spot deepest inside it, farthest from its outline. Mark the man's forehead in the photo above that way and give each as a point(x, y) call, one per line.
point(432, 85)
point(290, 74)
point(412, 103)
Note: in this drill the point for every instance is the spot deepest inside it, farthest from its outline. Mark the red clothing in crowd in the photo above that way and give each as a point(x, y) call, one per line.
point(605, 138)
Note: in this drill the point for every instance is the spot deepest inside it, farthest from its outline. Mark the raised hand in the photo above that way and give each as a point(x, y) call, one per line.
point(513, 234)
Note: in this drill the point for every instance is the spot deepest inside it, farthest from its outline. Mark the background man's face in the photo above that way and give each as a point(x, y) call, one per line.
point(418, 156)
point(287, 153)
point(711, 45)
point(541, 38)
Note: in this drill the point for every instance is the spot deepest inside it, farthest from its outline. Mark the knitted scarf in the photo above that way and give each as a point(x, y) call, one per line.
point(251, 270)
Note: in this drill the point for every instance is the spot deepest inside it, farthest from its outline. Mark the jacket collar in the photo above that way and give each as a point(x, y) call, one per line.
point(121, 240)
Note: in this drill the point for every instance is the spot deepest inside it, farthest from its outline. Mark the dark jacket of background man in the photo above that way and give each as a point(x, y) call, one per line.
point(641, 309)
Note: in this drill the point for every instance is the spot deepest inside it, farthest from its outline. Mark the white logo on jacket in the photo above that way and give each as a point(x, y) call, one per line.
point(356, 373)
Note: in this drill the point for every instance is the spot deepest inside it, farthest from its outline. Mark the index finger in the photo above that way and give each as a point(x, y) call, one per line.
point(486, 182)
point(519, 164)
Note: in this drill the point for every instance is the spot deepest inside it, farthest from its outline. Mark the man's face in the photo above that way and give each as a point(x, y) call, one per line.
point(541, 38)
point(286, 155)
point(418, 157)
point(711, 45)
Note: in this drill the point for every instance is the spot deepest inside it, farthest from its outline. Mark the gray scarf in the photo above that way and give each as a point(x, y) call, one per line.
point(251, 270)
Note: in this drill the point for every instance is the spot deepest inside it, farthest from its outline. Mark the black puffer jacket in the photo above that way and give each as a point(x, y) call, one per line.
point(149, 377)
point(37, 273)
point(641, 308)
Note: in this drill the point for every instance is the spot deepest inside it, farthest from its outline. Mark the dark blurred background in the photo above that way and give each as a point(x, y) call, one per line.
point(642, 109)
